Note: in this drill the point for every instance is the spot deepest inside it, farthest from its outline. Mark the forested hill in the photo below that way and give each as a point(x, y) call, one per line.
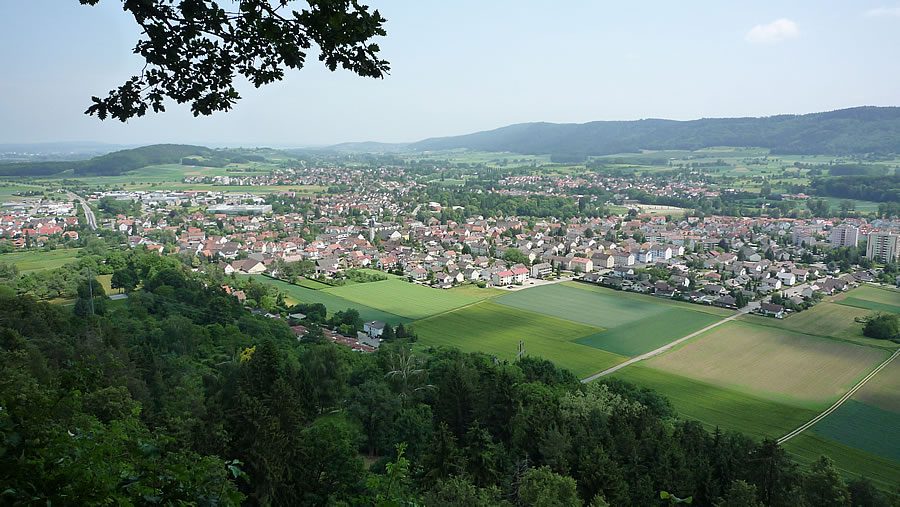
point(112, 163)
point(845, 131)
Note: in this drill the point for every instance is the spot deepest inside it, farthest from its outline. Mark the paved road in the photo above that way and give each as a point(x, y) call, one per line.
point(840, 401)
point(747, 309)
point(88, 213)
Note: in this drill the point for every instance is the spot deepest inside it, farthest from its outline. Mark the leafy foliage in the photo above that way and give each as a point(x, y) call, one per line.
point(194, 49)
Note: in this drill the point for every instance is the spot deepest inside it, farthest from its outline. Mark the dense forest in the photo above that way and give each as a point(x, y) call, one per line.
point(868, 188)
point(179, 395)
point(846, 131)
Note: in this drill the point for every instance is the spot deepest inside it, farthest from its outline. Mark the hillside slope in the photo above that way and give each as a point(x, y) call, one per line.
point(846, 131)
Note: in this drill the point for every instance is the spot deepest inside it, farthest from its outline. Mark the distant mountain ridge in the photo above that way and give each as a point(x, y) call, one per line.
point(866, 129)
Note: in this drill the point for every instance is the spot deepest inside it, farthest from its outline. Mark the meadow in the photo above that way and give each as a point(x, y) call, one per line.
point(826, 319)
point(496, 330)
point(628, 324)
point(403, 298)
point(769, 363)
point(872, 298)
point(38, 260)
point(717, 406)
point(296, 294)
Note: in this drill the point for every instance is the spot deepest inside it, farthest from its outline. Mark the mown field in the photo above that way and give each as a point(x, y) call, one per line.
point(770, 363)
point(403, 298)
point(873, 298)
point(717, 406)
point(297, 294)
point(496, 329)
point(861, 435)
point(37, 260)
point(629, 324)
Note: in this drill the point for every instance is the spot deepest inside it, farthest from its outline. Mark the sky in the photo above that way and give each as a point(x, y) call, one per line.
point(465, 66)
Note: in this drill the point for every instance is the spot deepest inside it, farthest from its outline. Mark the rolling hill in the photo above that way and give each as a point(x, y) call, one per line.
point(845, 131)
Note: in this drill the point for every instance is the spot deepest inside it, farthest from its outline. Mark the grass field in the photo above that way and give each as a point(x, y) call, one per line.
point(473, 290)
point(872, 298)
point(7, 189)
point(296, 294)
point(830, 320)
point(719, 406)
point(865, 427)
point(403, 298)
point(852, 462)
point(629, 324)
point(496, 329)
point(770, 363)
point(883, 391)
point(37, 260)
point(312, 284)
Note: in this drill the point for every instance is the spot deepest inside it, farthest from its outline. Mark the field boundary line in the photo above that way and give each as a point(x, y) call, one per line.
point(666, 347)
point(840, 400)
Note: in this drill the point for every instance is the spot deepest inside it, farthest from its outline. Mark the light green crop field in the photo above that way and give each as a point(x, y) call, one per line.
point(473, 290)
point(37, 260)
point(312, 284)
point(496, 329)
point(8, 189)
point(715, 405)
point(826, 319)
point(769, 363)
point(403, 298)
point(873, 298)
point(630, 324)
point(297, 294)
point(809, 446)
point(883, 391)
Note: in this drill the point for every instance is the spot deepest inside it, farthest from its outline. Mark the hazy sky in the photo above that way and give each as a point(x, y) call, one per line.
point(463, 66)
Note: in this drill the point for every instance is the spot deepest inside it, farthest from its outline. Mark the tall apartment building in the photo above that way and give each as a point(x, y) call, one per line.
point(883, 246)
point(845, 235)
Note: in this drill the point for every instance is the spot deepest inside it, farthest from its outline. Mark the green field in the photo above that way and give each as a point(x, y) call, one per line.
point(7, 189)
point(630, 324)
point(809, 446)
point(470, 289)
point(864, 427)
point(769, 363)
point(873, 298)
point(719, 406)
point(826, 319)
point(403, 298)
point(296, 294)
point(496, 329)
point(312, 284)
point(37, 260)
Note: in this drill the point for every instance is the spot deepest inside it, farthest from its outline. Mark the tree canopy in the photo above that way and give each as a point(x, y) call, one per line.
point(194, 49)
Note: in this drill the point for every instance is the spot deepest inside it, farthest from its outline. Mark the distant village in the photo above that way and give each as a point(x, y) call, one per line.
point(781, 264)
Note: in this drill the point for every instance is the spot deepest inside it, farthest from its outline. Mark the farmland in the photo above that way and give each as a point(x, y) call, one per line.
point(852, 462)
point(854, 435)
point(496, 329)
point(873, 298)
point(780, 365)
point(717, 406)
point(826, 319)
point(297, 294)
point(629, 324)
point(403, 298)
point(34, 260)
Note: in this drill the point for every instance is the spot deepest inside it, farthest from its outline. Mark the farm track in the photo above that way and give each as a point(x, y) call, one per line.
point(840, 401)
point(669, 345)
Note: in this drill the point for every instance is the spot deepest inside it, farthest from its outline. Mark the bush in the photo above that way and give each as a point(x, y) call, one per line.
point(883, 326)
